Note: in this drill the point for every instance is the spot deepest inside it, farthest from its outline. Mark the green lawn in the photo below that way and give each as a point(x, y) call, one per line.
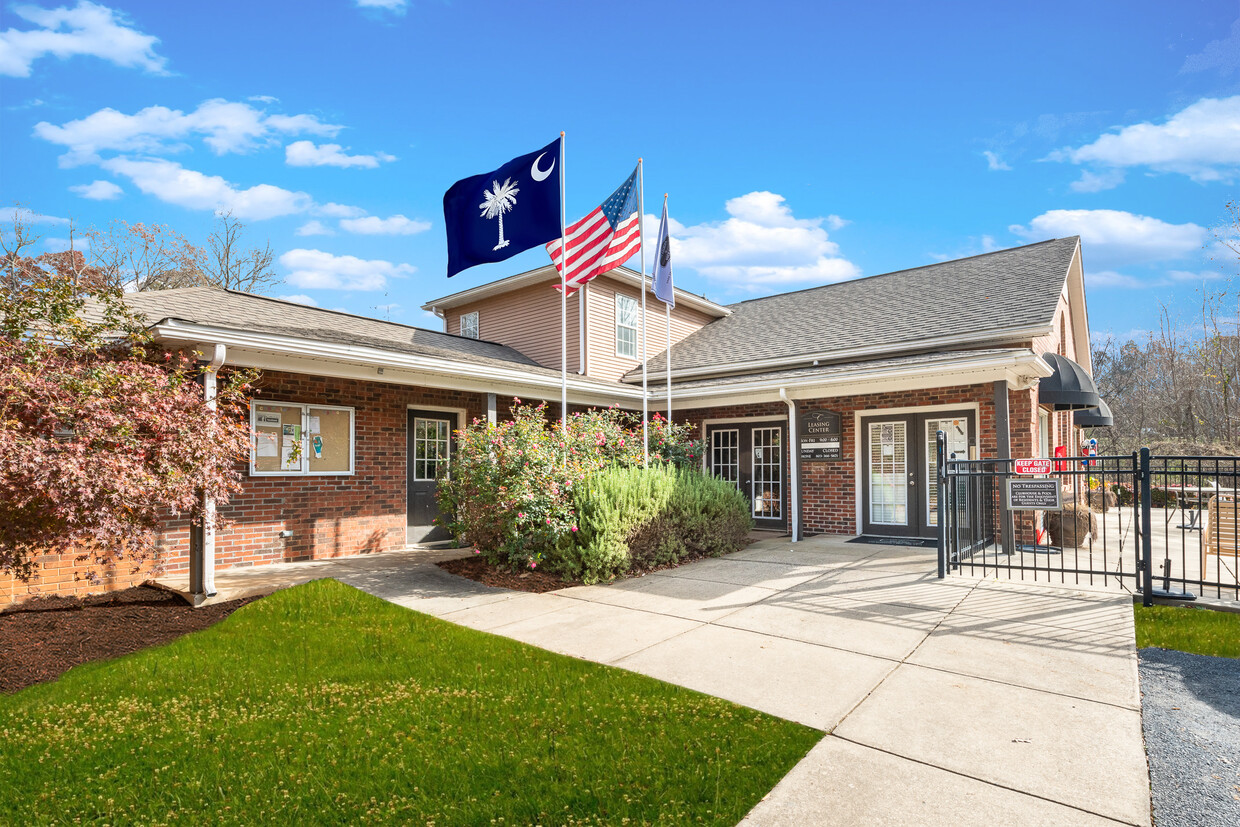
point(1186, 629)
point(322, 704)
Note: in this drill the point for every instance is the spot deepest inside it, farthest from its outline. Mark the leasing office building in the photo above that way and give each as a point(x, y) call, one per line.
point(867, 370)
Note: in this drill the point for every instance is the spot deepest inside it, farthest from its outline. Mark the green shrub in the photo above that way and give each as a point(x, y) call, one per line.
point(633, 518)
point(510, 492)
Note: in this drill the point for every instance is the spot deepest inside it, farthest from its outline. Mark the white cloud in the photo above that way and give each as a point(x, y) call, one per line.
point(394, 6)
point(224, 126)
point(395, 225)
point(86, 29)
point(834, 222)
point(315, 227)
point(334, 210)
point(1201, 141)
point(316, 269)
point(306, 154)
point(1194, 276)
point(300, 298)
point(263, 98)
point(762, 244)
point(1110, 278)
point(174, 184)
point(1098, 181)
point(994, 163)
point(10, 215)
point(1222, 54)
point(98, 190)
point(1114, 238)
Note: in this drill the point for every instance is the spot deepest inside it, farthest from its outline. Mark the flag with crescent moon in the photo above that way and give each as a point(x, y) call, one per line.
point(604, 239)
point(664, 291)
point(494, 216)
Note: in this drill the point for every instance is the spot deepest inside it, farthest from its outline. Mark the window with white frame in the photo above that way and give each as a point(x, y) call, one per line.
point(1044, 433)
point(288, 439)
point(626, 326)
point(469, 325)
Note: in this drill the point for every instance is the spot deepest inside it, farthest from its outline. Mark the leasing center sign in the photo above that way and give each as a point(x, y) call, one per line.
point(818, 436)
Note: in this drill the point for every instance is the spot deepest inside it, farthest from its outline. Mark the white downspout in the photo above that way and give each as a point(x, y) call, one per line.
point(208, 529)
point(793, 468)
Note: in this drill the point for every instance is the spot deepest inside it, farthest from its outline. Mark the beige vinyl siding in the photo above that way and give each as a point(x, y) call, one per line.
point(603, 363)
point(527, 320)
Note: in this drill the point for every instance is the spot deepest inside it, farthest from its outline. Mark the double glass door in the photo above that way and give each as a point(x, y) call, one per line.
point(753, 457)
point(900, 469)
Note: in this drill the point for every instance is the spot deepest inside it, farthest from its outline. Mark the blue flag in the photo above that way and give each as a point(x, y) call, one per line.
point(493, 217)
point(663, 288)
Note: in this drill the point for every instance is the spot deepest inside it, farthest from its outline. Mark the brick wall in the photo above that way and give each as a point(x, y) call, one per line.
point(330, 516)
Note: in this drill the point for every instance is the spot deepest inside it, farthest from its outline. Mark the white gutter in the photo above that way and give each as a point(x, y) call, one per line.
point(808, 359)
point(1028, 364)
point(172, 330)
point(208, 502)
point(793, 468)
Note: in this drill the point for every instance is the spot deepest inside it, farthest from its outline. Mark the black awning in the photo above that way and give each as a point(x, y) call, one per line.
point(1099, 417)
point(1069, 388)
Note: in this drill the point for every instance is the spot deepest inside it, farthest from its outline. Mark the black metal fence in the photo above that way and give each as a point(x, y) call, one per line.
point(1160, 526)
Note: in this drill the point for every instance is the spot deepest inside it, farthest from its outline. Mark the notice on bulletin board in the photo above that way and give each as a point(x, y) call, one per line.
point(290, 455)
point(266, 444)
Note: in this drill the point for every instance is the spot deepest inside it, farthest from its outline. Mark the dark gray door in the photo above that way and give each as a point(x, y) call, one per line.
point(429, 457)
point(753, 457)
point(899, 485)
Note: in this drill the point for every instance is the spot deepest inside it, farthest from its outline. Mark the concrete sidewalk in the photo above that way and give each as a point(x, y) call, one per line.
point(958, 701)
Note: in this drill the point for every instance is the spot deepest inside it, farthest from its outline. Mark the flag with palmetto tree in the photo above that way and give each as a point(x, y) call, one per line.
point(494, 216)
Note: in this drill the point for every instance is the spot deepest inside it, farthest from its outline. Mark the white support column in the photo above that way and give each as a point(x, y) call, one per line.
point(794, 472)
point(208, 528)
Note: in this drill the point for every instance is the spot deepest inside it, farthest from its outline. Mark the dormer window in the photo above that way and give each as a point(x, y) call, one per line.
point(626, 326)
point(469, 325)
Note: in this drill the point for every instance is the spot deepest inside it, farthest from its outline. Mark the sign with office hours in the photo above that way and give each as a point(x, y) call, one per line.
point(819, 436)
point(1033, 495)
point(1031, 466)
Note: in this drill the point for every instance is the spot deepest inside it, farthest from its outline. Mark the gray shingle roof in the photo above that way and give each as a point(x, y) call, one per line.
point(997, 291)
point(235, 310)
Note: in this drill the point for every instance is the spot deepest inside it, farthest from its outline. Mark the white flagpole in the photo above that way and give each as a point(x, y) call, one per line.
point(668, 309)
point(641, 235)
point(563, 302)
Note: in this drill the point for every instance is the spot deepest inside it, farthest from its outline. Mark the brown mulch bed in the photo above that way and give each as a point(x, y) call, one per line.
point(476, 568)
point(45, 636)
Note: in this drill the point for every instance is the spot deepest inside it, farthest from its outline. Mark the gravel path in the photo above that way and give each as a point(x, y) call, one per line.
point(1191, 716)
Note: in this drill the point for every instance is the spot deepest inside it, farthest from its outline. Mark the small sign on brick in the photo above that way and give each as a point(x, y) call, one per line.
point(1031, 466)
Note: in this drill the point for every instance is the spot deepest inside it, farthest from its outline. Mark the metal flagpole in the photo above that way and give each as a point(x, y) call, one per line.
point(641, 235)
point(668, 309)
point(563, 303)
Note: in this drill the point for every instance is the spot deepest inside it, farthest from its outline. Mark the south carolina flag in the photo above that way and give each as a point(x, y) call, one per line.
point(494, 216)
point(604, 239)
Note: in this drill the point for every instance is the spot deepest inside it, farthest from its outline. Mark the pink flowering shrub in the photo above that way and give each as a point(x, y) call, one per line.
point(101, 432)
point(510, 492)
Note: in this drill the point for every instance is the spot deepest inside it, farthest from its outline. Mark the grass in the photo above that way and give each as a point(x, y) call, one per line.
point(1188, 629)
point(322, 704)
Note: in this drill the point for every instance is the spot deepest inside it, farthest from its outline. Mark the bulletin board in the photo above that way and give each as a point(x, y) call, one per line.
point(277, 438)
point(329, 444)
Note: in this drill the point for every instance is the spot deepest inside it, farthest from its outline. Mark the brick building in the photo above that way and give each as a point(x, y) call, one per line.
point(822, 405)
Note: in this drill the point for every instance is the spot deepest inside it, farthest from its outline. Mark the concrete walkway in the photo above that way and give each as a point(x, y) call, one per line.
point(955, 702)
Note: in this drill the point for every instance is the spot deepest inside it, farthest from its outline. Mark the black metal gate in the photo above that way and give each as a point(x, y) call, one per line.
point(1158, 526)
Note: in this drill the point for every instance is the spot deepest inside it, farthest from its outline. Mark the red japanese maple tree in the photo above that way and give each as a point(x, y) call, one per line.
point(103, 434)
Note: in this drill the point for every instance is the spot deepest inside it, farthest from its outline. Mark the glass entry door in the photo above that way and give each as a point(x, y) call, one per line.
point(899, 491)
point(753, 456)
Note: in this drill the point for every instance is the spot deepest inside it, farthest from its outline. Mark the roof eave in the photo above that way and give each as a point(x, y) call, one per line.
point(1009, 335)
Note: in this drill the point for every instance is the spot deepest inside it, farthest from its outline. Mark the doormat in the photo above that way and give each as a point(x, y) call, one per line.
point(911, 542)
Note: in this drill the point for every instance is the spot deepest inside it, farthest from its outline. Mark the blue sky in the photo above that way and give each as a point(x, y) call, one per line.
point(801, 143)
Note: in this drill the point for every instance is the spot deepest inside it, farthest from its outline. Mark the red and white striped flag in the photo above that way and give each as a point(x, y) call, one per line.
point(604, 239)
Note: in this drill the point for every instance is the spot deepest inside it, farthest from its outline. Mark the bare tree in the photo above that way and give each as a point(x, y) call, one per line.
point(232, 265)
point(138, 257)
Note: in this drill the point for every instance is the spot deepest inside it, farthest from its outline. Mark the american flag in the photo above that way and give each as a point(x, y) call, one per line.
point(604, 239)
